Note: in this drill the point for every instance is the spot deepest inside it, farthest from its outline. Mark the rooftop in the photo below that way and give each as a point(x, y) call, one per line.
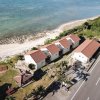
point(53, 48)
point(88, 47)
point(37, 55)
point(74, 37)
point(64, 43)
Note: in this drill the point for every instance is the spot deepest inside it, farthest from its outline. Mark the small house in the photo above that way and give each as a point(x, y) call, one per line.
point(63, 45)
point(52, 51)
point(36, 57)
point(86, 50)
point(73, 39)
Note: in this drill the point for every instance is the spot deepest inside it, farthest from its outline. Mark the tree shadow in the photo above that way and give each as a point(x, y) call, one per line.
point(38, 74)
point(3, 90)
point(82, 39)
point(54, 87)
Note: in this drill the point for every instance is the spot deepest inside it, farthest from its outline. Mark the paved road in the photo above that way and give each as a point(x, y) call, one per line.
point(90, 90)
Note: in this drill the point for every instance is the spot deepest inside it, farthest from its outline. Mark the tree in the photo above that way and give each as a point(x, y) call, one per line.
point(91, 36)
point(20, 57)
point(39, 92)
point(34, 48)
point(86, 25)
point(31, 66)
point(10, 98)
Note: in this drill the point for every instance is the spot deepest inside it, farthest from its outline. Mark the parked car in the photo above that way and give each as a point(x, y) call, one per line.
point(73, 81)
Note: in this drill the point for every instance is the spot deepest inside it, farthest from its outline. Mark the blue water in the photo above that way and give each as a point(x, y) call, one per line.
point(18, 17)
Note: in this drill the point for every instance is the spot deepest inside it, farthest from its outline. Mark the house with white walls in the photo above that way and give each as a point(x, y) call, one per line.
point(51, 50)
point(63, 44)
point(36, 57)
point(86, 50)
point(73, 39)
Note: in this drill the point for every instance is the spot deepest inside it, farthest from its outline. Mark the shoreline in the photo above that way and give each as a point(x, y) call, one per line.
point(11, 49)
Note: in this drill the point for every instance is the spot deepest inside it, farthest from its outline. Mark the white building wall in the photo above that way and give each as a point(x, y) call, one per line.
point(45, 50)
point(41, 64)
point(65, 50)
point(69, 40)
point(59, 45)
point(54, 56)
point(74, 45)
point(80, 57)
point(30, 60)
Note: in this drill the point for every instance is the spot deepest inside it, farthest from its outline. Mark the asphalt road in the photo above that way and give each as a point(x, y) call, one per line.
point(90, 89)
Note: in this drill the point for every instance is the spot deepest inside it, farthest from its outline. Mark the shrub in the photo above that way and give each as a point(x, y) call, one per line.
point(48, 41)
point(31, 66)
point(20, 57)
point(34, 48)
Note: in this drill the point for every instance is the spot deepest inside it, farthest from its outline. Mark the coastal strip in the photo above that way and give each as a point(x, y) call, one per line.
point(16, 48)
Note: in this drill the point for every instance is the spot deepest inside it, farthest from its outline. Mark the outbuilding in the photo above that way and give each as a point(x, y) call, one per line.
point(63, 45)
point(36, 57)
point(86, 50)
point(52, 51)
point(73, 39)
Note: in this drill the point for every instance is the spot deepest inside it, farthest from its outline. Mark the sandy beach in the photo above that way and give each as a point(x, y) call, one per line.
point(15, 48)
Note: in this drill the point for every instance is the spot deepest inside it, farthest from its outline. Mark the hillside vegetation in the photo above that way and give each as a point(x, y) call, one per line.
point(93, 30)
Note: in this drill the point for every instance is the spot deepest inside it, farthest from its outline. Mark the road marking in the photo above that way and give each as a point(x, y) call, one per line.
point(88, 98)
point(84, 81)
point(98, 81)
point(94, 65)
point(77, 90)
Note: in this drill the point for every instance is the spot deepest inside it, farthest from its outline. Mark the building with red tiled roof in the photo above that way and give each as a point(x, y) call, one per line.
point(63, 44)
point(36, 57)
point(86, 50)
point(73, 39)
point(51, 50)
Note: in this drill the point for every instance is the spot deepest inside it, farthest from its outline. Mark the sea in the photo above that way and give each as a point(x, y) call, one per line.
point(24, 17)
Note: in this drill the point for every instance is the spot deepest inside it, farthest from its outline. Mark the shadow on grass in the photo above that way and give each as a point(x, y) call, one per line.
point(3, 90)
point(54, 87)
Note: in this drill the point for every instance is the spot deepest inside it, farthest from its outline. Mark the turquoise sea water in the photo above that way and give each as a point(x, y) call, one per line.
point(18, 17)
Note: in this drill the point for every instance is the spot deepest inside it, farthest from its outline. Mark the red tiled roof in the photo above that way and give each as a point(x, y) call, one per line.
point(37, 55)
point(18, 79)
point(53, 48)
point(64, 43)
point(3, 68)
point(88, 48)
point(22, 78)
point(74, 37)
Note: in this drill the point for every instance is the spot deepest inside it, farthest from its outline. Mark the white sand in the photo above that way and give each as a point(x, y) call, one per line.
point(12, 49)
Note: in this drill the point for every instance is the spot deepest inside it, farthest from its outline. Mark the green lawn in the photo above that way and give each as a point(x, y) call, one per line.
point(7, 77)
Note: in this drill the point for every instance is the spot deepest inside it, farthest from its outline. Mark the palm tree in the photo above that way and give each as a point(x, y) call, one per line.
point(39, 92)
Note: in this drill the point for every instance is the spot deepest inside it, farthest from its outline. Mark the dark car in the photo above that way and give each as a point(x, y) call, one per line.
point(73, 81)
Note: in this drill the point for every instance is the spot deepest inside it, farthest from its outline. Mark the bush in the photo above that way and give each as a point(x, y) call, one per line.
point(20, 57)
point(48, 41)
point(31, 66)
point(34, 48)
